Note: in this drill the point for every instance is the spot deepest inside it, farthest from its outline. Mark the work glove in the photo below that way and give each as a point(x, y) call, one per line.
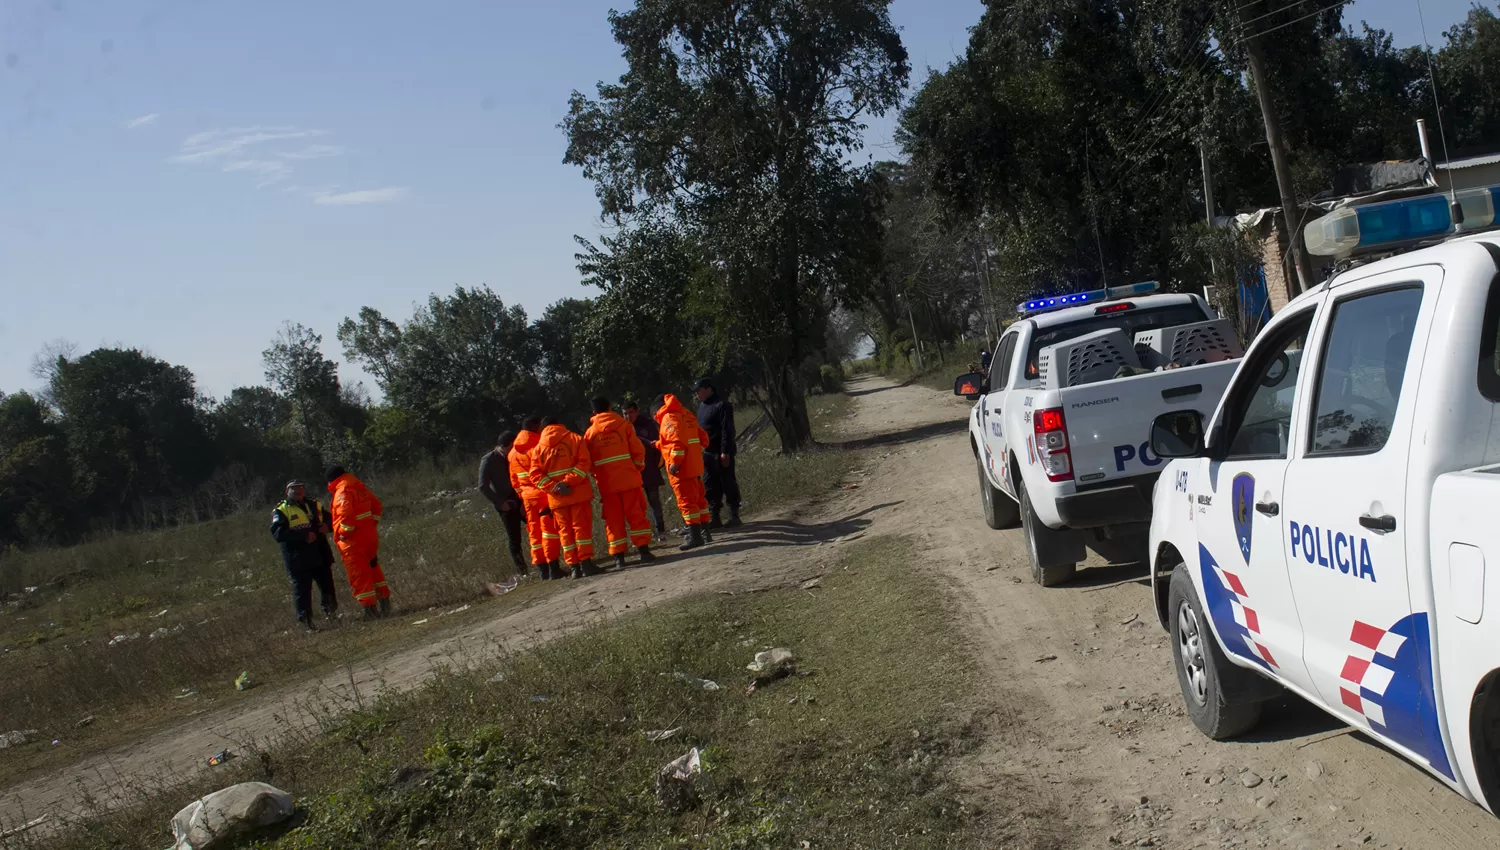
point(674, 469)
point(562, 488)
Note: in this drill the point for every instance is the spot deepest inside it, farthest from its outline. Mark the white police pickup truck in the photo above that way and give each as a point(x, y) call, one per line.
point(1072, 389)
point(1330, 530)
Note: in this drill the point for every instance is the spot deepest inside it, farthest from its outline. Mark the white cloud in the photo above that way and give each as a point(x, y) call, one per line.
point(361, 196)
point(313, 152)
point(270, 170)
point(142, 121)
point(218, 144)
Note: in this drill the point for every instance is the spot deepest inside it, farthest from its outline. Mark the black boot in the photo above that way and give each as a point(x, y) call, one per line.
point(646, 556)
point(734, 518)
point(619, 566)
point(520, 563)
point(371, 613)
point(708, 536)
point(589, 569)
point(578, 570)
point(559, 570)
point(717, 521)
point(544, 572)
point(694, 538)
point(385, 607)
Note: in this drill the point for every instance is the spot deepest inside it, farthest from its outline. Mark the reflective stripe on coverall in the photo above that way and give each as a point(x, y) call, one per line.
point(562, 457)
point(356, 521)
point(618, 458)
point(681, 444)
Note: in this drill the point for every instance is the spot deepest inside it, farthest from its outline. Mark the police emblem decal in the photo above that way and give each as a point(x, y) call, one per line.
point(1243, 503)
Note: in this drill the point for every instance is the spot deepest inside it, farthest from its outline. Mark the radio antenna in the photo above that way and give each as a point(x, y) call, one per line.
point(1437, 107)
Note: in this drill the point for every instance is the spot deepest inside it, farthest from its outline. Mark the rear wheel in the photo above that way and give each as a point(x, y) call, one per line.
point(1054, 554)
point(1203, 672)
point(1000, 511)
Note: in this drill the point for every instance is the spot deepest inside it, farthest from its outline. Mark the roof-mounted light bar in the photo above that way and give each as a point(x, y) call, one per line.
point(1042, 305)
point(1352, 230)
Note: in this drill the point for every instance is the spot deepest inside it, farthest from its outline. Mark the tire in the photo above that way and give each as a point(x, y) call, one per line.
point(1054, 554)
point(1203, 672)
point(1000, 511)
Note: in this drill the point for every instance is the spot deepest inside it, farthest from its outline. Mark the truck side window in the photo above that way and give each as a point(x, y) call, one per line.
point(1489, 345)
point(1361, 371)
point(1259, 420)
point(1000, 367)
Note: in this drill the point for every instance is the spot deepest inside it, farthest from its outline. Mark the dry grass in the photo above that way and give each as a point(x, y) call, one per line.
point(553, 754)
point(202, 603)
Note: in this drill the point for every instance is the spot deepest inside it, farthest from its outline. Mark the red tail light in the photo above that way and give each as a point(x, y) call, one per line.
point(1114, 308)
point(1052, 444)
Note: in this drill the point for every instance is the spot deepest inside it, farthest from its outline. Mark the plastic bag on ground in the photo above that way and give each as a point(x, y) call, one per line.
point(215, 820)
point(674, 783)
point(770, 660)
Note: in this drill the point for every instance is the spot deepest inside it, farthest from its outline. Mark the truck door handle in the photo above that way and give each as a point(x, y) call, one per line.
point(1268, 508)
point(995, 410)
point(1378, 523)
point(1181, 392)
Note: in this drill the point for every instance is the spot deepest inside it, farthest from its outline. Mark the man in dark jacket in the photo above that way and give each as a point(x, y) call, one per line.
point(494, 483)
point(716, 416)
point(301, 526)
point(649, 432)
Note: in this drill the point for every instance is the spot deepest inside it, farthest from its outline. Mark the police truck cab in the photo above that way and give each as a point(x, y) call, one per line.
point(1328, 530)
point(1058, 429)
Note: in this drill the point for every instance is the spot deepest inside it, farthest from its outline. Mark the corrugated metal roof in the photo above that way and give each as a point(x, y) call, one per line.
point(1470, 162)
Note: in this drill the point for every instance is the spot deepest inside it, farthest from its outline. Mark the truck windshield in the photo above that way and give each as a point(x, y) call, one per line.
point(1131, 322)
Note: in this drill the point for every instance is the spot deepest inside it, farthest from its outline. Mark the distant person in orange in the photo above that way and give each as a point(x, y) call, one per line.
point(561, 468)
point(681, 444)
point(618, 459)
point(541, 528)
point(356, 530)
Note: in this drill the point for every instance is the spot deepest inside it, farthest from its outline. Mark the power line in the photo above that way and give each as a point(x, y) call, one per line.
point(1329, 8)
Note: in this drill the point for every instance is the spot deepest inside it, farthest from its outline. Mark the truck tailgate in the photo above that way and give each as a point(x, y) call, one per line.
point(1109, 423)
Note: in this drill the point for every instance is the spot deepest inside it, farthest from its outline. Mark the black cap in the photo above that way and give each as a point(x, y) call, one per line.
point(703, 384)
point(334, 473)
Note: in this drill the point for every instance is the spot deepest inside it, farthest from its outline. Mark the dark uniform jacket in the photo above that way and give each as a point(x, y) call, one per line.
point(716, 415)
point(649, 432)
point(290, 522)
point(494, 482)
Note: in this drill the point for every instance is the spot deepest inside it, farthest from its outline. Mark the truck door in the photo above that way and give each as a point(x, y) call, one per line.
point(1233, 498)
point(993, 416)
point(1346, 508)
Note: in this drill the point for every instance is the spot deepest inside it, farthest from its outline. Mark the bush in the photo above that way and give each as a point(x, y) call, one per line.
point(831, 378)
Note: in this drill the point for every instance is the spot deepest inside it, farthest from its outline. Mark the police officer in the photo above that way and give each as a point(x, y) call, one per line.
point(494, 484)
point(716, 416)
point(301, 526)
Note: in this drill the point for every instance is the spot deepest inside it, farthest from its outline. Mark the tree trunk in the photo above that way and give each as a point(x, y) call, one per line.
point(1283, 171)
point(786, 405)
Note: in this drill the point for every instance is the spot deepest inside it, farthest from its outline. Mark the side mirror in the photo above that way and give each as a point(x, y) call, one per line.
point(1177, 434)
point(971, 386)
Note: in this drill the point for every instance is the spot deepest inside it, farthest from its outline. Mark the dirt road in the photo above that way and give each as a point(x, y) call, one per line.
point(1085, 740)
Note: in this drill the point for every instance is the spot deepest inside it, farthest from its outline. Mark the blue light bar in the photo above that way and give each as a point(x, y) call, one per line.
point(1345, 231)
point(1039, 305)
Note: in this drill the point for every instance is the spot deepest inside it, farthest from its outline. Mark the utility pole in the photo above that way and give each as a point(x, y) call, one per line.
point(1208, 204)
point(1283, 170)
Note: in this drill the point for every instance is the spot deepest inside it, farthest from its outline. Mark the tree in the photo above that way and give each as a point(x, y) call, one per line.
point(463, 365)
point(297, 369)
point(136, 435)
point(736, 123)
point(36, 501)
point(1467, 81)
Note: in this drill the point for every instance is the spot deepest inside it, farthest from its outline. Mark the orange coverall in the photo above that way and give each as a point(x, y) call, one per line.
point(681, 444)
point(618, 458)
point(356, 530)
point(546, 544)
point(562, 457)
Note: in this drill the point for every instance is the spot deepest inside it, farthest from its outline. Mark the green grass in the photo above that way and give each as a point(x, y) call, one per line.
point(217, 597)
point(855, 752)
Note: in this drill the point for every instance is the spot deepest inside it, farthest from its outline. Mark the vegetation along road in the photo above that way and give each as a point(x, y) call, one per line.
point(1081, 738)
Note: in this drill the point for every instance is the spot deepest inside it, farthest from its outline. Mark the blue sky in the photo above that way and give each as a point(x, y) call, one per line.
point(184, 176)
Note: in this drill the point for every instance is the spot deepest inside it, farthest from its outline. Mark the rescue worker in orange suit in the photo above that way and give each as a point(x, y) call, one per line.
point(356, 530)
point(561, 468)
point(618, 459)
point(541, 527)
point(681, 444)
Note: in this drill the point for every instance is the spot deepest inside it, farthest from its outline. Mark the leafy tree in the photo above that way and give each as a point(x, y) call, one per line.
point(1468, 78)
point(736, 123)
point(464, 366)
point(297, 369)
point(36, 501)
point(136, 435)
